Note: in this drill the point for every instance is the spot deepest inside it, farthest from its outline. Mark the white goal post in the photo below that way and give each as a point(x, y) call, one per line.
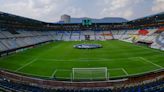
point(100, 73)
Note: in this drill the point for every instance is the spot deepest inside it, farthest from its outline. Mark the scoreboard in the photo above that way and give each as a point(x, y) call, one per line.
point(87, 22)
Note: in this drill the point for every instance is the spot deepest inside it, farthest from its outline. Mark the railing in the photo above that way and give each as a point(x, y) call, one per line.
point(50, 83)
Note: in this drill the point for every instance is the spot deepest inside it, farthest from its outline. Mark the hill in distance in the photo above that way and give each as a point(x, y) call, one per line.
point(103, 20)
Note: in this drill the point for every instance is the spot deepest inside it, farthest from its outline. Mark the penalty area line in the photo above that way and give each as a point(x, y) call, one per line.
point(52, 76)
point(150, 62)
point(115, 69)
point(125, 71)
point(26, 65)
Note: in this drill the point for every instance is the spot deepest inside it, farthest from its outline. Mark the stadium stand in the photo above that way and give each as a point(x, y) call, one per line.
point(75, 36)
point(151, 82)
point(11, 41)
point(124, 35)
point(17, 33)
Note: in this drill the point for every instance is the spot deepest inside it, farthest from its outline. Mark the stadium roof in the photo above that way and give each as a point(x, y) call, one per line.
point(18, 19)
point(10, 20)
point(159, 17)
point(11, 17)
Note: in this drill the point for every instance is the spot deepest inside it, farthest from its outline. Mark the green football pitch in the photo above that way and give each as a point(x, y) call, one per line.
point(57, 59)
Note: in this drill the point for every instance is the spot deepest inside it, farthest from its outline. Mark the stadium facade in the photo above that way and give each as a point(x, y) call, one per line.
point(19, 33)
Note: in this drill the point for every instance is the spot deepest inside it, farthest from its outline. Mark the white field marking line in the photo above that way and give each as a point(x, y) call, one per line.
point(26, 64)
point(93, 58)
point(115, 69)
point(96, 59)
point(125, 71)
point(150, 62)
point(52, 76)
point(75, 59)
point(134, 74)
point(84, 59)
point(31, 61)
point(64, 69)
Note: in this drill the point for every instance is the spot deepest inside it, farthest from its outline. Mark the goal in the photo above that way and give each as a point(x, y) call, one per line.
point(90, 73)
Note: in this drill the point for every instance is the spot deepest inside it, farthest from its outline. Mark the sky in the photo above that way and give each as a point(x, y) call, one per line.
point(51, 10)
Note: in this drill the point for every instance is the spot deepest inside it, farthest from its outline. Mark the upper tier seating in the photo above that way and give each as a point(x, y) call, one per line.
point(24, 38)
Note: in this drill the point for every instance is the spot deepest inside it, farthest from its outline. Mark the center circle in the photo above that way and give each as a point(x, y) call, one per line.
point(88, 46)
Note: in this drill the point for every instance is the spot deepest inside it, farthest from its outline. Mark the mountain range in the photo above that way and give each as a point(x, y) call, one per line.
point(102, 20)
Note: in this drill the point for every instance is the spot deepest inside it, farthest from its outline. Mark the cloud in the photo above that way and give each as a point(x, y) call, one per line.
point(74, 11)
point(45, 10)
point(128, 13)
point(51, 10)
point(117, 8)
point(158, 6)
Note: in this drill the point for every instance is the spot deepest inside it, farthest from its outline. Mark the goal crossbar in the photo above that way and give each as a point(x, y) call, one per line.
point(90, 73)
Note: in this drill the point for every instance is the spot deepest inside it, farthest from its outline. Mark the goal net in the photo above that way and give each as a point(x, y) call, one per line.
point(90, 73)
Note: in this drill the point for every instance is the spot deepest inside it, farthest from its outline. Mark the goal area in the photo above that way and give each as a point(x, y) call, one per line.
point(90, 73)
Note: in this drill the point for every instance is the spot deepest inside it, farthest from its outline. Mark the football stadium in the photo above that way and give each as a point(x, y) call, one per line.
point(88, 56)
